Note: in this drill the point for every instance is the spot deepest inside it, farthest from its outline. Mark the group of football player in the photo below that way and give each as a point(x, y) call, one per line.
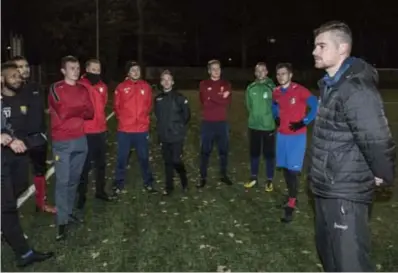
point(277, 129)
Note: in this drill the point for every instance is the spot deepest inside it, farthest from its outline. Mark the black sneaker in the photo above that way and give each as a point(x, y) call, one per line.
point(201, 183)
point(34, 257)
point(61, 235)
point(288, 215)
point(225, 179)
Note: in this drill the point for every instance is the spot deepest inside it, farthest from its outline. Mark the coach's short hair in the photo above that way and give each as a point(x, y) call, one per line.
point(92, 61)
point(68, 59)
point(288, 66)
point(340, 29)
point(211, 62)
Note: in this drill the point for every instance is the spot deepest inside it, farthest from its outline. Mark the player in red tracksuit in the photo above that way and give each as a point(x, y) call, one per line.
point(95, 130)
point(132, 106)
point(215, 97)
point(69, 105)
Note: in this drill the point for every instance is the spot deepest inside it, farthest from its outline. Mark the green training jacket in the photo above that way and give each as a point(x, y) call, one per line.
point(258, 99)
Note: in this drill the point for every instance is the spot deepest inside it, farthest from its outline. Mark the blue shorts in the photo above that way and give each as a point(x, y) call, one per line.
point(290, 151)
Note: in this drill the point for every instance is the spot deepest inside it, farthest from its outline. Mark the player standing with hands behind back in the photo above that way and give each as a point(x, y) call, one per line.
point(352, 151)
point(215, 97)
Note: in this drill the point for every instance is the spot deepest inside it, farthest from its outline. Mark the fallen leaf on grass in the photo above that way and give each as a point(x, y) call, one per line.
point(378, 267)
point(143, 214)
point(232, 200)
point(187, 221)
point(52, 225)
point(319, 265)
point(202, 236)
point(164, 211)
point(176, 213)
point(305, 252)
point(239, 241)
point(222, 268)
point(378, 219)
point(105, 264)
point(143, 230)
point(105, 241)
point(95, 255)
point(220, 233)
point(230, 234)
point(390, 246)
point(124, 240)
point(162, 203)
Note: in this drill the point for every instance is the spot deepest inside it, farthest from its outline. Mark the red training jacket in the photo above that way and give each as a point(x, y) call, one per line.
point(132, 106)
point(69, 106)
point(292, 105)
point(99, 98)
point(214, 105)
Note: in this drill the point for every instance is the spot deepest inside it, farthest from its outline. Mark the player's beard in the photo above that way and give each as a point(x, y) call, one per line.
point(12, 88)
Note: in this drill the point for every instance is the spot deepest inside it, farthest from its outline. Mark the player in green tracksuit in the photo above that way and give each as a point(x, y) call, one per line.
point(261, 125)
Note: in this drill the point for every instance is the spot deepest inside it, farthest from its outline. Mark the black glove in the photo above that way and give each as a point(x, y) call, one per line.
point(295, 126)
point(277, 122)
point(35, 140)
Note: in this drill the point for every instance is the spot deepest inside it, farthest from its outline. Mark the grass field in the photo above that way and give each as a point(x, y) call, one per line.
point(217, 228)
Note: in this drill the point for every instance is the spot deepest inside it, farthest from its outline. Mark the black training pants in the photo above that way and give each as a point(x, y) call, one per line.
point(10, 225)
point(172, 156)
point(96, 144)
point(38, 157)
point(342, 235)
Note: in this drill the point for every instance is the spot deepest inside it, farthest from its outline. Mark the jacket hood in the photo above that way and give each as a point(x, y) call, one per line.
point(364, 71)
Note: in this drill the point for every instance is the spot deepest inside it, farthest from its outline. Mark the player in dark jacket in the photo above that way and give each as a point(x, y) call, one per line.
point(352, 152)
point(37, 130)
point(11, 147)
point(172, 114)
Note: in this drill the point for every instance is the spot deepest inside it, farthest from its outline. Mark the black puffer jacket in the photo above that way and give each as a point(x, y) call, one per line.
point(352, 142)
point(172, 115)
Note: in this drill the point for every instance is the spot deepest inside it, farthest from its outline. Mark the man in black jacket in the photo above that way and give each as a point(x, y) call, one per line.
point(352, 151)
point(37, 131)
point(172, 114)
point(12, 148)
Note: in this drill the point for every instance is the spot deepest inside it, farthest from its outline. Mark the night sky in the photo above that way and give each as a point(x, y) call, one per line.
point(214, 26)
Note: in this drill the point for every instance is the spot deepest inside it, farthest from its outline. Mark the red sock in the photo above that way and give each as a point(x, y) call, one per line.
point(292, 202)
point(40, 185)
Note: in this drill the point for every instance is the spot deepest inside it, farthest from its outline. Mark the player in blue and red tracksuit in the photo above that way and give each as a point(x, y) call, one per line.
point(215, 97)
point(69, 105)
point(132, 105)
point(290, 110)
point(95, 130)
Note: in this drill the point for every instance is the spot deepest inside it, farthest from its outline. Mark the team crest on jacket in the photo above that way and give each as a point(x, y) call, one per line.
point(208, 88)
point(23, 109)
point(101, 89)
point(222, 88)
point(142, 91)
point(293, 100)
